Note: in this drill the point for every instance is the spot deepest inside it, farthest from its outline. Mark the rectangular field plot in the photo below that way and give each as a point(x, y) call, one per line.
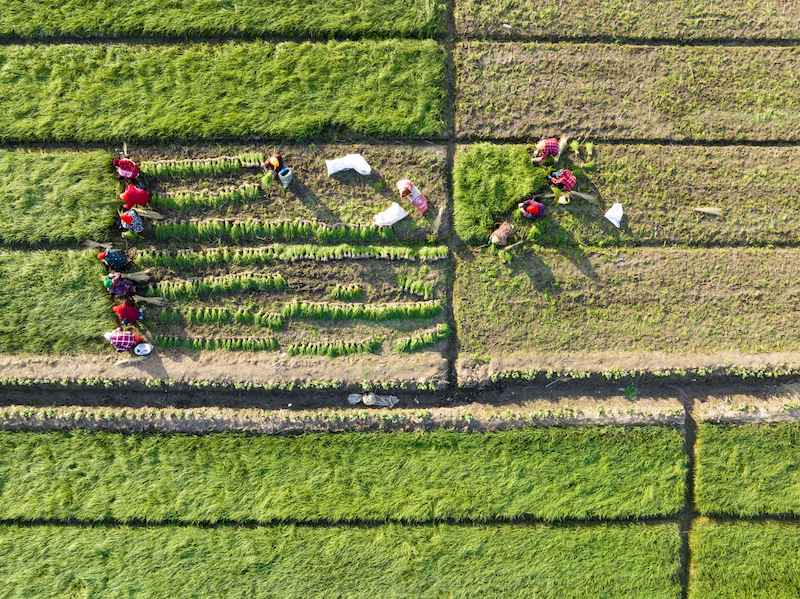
point(758, 560)
point(220, 90)
point(52, 301)
point(90, 18)
point(659, 187)
point(384, 561)
point(55, 196)
point(639, 19)
point(627, 92)
point(628, 310)
point(552, 473)
point(748, 470)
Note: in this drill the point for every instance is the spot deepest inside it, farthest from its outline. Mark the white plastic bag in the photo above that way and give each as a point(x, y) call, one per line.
point(355, 162)
point(393, 214)
point(615, 214)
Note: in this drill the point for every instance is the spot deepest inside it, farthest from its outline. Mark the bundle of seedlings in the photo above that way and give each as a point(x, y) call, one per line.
point(190, 200)
point(202, 167)
point(223, 285)
point(247, 344)
point(422, 340)
point(335, 349)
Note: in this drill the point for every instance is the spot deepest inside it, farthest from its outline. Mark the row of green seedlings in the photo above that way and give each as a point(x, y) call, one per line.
point(202, 167)
point(335, 349)
point(248, 344)
point(346, 293)
point(418, 287)
point(257, 230)
point(422, 340)
point(297, 310)
point(258, 256)
point(189, 200)
point(225, 285)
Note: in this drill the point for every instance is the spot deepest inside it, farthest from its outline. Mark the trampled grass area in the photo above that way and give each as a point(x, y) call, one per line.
point(757, 560)
point(643, 300)
point(385, 561)
point(314, 18)
point(641, 19)
point(55, 196)
point(97, 92)
point(748, 470)
point(659, 187)
point(52, 301)
point(554, 473)
point(677, 93)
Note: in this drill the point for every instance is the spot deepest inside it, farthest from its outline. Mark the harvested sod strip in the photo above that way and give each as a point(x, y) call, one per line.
point(97, 93)
point(659, 186)
point(55, 196)
point(93, 18)
point(548, 303)
point(757, 560)
point(748, 470)
point(628, 92)
point(384, 561)
point(551, 473)
point(52, 301)
point(639, 19)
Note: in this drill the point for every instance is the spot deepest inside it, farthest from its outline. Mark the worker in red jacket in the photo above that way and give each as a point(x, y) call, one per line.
point(128, 312)
point(134, 196)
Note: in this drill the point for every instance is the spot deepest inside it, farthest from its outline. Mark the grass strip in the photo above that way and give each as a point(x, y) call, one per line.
point(312, 18)
point(549, 473)
point(422, 340)
point(249, 344)
point(195, 91)
point(639, 300)
point(748, 470)
point(679, 93)
point(55, 197)
point(638, 19)
point(659, 187)
point(256, 230)
point(335, 349)
point(223, 285)
point(384, 561)
point(52, 302)
point(757, 560)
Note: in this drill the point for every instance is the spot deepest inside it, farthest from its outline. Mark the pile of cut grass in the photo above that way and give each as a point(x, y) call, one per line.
point(748, 470)
point(385, 561)
point(733, 560)
point(55, 196)
point(291, 90)
point(310, 18)
point(52, 302)
point(553, 473)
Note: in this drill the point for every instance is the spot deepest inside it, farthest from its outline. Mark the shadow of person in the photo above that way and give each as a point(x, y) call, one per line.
point(310, 200)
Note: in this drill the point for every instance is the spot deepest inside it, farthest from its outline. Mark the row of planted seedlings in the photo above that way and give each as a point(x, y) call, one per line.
point(325, 291)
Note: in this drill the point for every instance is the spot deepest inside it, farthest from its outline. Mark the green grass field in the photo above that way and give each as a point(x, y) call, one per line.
point(383, 561)
point(97, 93)
point(55, 197)
point(642, 19)
point(52, 302)
point(748, 470)
point(659, 186)
point(507, 90)
point(757, 560)
point(545, 473)
point(312, 18)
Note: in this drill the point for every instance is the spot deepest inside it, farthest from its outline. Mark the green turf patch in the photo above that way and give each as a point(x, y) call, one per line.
point(52, 302)
point(554, 473)
point(757, 560)
point(385, 561)
point(641, 19)
point(96, 93)
point(55, 196)
point(93, 18)
point(513, 90)
point(748, 470)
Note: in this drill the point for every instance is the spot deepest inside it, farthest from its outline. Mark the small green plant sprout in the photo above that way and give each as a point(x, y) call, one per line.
point(631, 393)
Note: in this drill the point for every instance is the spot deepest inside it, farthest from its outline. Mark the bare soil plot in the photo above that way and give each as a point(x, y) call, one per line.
point(637, 19)
point(626, 309)
point(513, 90)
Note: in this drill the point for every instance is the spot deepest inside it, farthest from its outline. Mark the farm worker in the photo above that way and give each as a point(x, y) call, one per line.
point(547, 148)
point(114, 259)
point(117, 285)
point(408, 190)
point(532, 209)
point(131, 221)
point(134, 196)
point(501, 234)
point(127, 312)
point(123, 339)
point(274, 163)
point(126, 169)
point(564, 179)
